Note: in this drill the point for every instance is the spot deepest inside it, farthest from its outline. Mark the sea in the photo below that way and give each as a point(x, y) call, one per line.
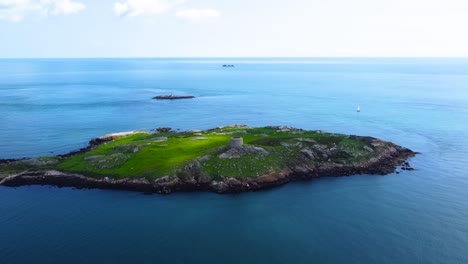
point(54, 106)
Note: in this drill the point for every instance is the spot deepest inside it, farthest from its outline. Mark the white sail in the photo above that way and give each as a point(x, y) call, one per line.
point(358, 109)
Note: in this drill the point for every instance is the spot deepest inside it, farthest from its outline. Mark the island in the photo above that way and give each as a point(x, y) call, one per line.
point(173, 97)
point(228, 159)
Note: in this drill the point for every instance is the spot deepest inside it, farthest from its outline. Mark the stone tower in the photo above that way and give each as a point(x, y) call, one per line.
point(236, 142)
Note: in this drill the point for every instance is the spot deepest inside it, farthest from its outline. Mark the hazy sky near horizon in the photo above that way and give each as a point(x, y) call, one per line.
point(239, 28)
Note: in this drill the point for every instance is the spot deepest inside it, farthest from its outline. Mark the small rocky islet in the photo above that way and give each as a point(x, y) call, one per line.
point(173, 97)
point(228, 159)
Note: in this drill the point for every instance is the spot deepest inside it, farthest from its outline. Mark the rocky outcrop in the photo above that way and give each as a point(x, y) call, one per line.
point(237, 152)
point(173, 97)
point(163, 129)
point(308, 153)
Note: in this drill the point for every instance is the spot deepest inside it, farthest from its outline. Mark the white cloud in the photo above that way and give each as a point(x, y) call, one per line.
point(141, 7)
point(65, 7)
point(120, 9)
point(132, 8)
point(17, 10)
point(196, 14)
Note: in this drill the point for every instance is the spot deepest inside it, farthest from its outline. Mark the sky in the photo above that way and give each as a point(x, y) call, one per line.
point(233, 28)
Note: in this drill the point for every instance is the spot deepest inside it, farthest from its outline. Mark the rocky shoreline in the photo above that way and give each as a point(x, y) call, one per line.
point(387, 162)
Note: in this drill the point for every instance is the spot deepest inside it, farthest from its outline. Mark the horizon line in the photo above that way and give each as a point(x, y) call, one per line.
point(246, 57)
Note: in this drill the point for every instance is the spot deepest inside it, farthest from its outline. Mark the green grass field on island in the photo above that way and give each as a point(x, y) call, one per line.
point(154, 155)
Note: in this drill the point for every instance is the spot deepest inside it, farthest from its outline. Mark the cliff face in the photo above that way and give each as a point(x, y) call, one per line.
point(273, 156)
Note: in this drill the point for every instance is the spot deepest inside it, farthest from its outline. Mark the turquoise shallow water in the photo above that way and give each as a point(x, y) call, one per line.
point(55, 106)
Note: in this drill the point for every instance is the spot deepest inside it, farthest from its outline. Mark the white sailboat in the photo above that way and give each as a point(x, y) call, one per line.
point(358, 109)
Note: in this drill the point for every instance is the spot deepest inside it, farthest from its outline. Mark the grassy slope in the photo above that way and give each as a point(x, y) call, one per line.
point(156, 158)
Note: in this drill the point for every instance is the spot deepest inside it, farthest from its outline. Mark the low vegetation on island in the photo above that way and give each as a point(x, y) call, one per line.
point(165, 161)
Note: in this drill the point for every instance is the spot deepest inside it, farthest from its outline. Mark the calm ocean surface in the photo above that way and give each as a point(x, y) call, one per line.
point(51, 107)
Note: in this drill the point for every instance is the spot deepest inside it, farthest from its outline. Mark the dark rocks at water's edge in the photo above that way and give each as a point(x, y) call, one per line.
point(383, 164)
point(93, 143)
point(173, 97)
point(7, 161)
point(163, 129)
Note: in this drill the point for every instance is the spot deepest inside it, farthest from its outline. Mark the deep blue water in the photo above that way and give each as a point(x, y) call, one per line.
point(55, 106)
